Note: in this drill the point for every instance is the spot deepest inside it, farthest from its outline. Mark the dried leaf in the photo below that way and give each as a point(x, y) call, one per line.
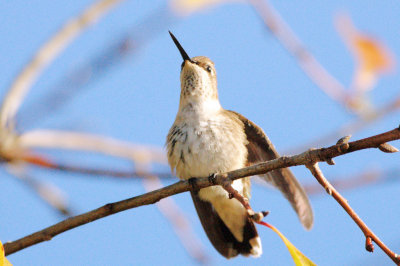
point(299, 258)
point(371, 56)
point(3, 260)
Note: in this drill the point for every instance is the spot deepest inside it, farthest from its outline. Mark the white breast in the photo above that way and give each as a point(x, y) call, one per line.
point(200, 144)
point(207, 146)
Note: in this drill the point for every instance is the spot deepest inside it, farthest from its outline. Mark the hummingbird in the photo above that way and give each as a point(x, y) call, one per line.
point(206, 139)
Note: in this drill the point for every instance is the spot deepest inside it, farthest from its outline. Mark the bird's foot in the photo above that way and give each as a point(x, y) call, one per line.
point(212, 179)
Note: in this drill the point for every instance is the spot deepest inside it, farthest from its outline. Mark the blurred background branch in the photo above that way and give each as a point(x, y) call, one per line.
point(144, 123)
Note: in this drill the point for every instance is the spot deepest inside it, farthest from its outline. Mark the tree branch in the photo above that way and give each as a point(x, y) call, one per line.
point(179, 222)
point(46, 54)
point(369, 235)
point(306, 158)
point(69, 140)
point(307, 62)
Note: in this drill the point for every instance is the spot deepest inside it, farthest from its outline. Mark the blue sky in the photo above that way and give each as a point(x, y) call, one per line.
point(136, 100)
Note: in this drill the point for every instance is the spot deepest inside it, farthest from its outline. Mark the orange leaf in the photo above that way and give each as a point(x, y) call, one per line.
point(299, 258)
point(371, 56)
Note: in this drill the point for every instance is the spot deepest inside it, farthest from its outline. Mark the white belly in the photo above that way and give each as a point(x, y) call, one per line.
point(204, 148)
point(199, 148)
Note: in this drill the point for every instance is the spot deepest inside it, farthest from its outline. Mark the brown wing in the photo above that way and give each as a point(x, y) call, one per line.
point(261, 149)
point(219, 234)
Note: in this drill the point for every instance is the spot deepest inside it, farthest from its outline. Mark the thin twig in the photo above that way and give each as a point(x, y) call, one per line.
point(49, 193)
point(104, 172)
point(367, 177)
point(94, 143)
point(106, 210)
point(179, 222)
point(352, 127)
point(308, 157)
point(111, 55)
point(46, 54)
point(369, 235)
point(234, 194)
point(313, 69)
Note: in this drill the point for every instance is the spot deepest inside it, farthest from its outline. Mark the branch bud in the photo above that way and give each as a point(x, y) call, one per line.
point(385, 147)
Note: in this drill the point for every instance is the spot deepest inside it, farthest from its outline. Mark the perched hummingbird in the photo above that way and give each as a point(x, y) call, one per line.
point(206, 139)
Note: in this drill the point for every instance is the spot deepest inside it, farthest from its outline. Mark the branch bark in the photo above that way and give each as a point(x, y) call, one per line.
point(309, 157)
point(368, 233)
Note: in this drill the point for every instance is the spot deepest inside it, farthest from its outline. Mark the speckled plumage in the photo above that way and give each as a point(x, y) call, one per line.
point(207, 139)
point(200, 148)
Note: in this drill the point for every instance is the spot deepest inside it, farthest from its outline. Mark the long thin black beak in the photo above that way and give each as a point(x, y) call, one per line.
point(181, 50)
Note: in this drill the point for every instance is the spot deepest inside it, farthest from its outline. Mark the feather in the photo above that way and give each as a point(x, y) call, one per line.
point(261, 149)
point(219, 234)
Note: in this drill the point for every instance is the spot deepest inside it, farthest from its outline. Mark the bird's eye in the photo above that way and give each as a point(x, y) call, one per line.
point(209, 69)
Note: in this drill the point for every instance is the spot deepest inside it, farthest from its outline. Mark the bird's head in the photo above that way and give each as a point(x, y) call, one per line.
point(198, 76)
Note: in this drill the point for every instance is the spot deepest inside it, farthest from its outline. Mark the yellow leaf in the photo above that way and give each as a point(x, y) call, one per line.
point(186, 7)
point(3, 260)
point(299, 258)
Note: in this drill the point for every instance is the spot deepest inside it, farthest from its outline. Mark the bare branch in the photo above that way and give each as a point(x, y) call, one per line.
point(103, 172)
point(369, 235)
point(179, 222)
point(106, 210)
point(306, 158)
point(46, 54)
point(367, 177)
point(352, 127)
point(89, 142)
point(53, 196)
point(92, 69)
point(233, 193)
point(314, 70)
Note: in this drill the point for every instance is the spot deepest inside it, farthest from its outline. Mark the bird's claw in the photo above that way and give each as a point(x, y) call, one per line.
point(212, 179)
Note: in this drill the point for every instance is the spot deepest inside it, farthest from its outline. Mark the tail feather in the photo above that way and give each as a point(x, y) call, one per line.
point(221, 237)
